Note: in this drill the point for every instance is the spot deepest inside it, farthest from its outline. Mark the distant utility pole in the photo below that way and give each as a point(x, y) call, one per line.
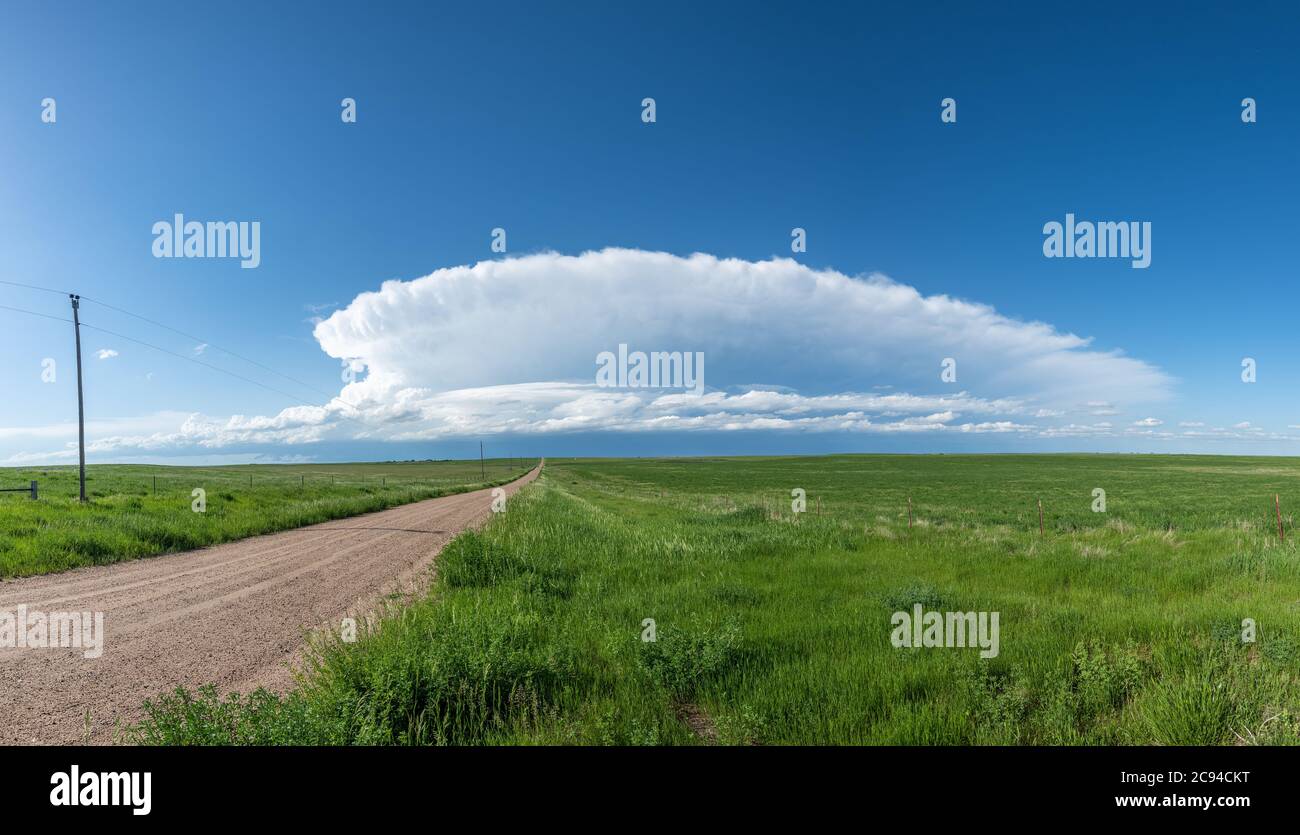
point(481, 465)
point(81, 403)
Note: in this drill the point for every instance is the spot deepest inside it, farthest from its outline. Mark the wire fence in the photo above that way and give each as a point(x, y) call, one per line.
point(135, 483)
point(30, 489)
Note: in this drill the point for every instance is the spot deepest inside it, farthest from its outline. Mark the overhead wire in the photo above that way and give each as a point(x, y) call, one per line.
point(175, 354)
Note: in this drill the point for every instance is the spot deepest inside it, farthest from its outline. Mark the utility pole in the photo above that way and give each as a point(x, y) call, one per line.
point(481, 465)
point(81, 402)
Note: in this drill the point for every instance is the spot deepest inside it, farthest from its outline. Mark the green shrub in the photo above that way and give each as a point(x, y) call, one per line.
point(683, 659)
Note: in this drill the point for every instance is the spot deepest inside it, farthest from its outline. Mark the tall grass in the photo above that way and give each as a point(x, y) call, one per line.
point(127, 517)
point(1121, 627)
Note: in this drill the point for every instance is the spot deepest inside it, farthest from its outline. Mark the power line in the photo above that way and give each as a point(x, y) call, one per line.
point(332, 397)
point(77, 325)
point(198, 362)
point(219, 369)
point(33, 312)
point(203, 341)
point(156, 323)
point(34, 287)
point(156, 348)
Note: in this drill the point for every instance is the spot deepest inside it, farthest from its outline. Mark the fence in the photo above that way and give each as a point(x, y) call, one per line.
point(31, 489)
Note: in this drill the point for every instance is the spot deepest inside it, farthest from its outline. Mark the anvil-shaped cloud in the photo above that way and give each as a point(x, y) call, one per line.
point(510, 346)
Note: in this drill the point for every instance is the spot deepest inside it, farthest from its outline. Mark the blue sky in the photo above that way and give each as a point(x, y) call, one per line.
point(769, 117)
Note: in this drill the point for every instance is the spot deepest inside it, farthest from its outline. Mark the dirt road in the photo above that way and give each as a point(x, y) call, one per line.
point(235, 615)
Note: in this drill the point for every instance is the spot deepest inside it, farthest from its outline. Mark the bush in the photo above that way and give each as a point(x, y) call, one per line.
point(204, 718)
point(682, 660)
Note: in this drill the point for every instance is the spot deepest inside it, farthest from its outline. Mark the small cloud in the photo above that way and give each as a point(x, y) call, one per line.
point(200, 348)
point(1245, 424)
point(1191, 424)
point(1148, 422)
point(149, 376)
point(1101, 408)
point(763, 387)
point(316, 310)
point(106, 353)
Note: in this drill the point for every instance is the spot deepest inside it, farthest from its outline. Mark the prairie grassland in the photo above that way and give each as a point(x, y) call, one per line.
point(1117, 627)
point(139, 511)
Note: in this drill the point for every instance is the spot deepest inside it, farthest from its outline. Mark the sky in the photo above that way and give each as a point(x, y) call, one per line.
point(380, 323)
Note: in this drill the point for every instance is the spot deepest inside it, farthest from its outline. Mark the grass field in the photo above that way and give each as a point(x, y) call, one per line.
point(139, 511)
point(1117, 627)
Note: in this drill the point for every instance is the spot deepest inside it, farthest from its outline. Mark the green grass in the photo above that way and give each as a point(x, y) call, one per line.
point(139, 511)
point(1120, 627)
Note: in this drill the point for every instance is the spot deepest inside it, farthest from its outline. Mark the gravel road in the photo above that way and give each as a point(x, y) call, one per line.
point(235, 615)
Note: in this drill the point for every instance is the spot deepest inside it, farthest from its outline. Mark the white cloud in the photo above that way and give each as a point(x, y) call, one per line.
point(1103, 429)
point(1148, 422)
point(1101, 408)
point(106, 353)
point(200, 348)
point(316, 310)
point(509, 346)
point(545, 317)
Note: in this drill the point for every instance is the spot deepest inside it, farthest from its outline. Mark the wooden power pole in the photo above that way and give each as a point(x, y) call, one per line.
point(81, 402)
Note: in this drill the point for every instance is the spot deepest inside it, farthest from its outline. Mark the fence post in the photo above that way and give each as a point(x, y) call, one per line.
point(33, 491)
